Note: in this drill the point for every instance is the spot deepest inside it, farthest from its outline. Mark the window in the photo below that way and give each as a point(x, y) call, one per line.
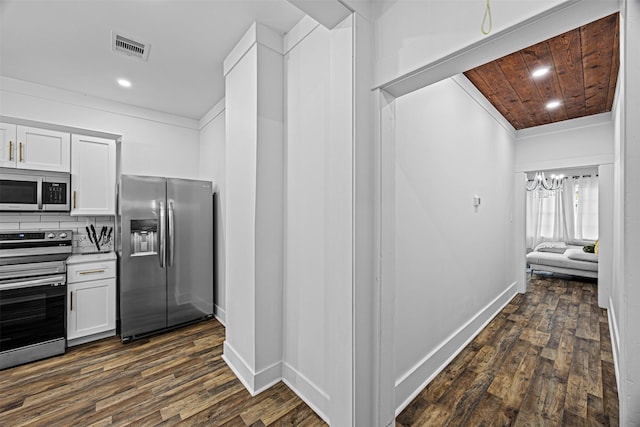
point(568, 215)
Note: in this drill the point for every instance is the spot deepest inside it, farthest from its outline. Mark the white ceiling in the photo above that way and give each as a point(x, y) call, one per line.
point(67, 44)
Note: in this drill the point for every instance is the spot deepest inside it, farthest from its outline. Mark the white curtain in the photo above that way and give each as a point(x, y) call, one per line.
point(570, 215)
point(545, 218)
point(569, 200)
point(586, 208)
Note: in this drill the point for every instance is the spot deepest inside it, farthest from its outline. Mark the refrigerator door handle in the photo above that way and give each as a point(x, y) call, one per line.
point(171, 234)
point(161, 233)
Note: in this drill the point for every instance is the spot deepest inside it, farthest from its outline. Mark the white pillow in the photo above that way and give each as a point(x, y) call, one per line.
point(580, 255)
point(555, 247)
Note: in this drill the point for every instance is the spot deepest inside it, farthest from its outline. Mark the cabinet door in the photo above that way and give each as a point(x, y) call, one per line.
point(91, 308)
point(8, 147)
point(43, 149)
point(93, 176)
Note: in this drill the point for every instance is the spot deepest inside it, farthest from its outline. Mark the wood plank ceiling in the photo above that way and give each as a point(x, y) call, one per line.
point(583, 71)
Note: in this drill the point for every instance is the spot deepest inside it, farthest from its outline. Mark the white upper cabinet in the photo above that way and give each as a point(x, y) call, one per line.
point(26, 147)
point(93, 175)
point(42, 149)
point(9, 145)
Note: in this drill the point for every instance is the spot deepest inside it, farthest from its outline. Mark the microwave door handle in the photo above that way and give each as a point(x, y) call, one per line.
point(40, 190)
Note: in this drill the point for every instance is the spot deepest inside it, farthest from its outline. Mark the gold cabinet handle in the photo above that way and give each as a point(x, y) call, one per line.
point(74, 199)
point(10, 150)
point(92, 271)
point(21, 159)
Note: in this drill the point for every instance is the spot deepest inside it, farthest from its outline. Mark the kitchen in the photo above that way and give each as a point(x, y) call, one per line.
point(162, 232)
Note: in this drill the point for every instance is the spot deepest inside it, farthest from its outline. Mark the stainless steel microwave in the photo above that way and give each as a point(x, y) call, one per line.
point(34, 191)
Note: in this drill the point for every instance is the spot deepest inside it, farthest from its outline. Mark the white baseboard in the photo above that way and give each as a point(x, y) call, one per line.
point(310, 393)
point(220, 314)
point(257, 382)
point(417, 378)
point(254, 382)
point(615, 340)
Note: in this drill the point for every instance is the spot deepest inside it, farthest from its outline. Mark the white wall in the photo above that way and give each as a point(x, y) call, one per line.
point(153, 143)
point(453, 262)
point(573, 143)
point(212, 167)
point(411, 34)
point(318, 227)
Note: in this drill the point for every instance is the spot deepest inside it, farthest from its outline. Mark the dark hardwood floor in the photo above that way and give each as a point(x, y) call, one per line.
point(544, 360)
point(174, 378)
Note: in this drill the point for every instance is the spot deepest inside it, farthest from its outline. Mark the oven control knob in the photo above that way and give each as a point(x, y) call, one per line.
point(63, 235)
point(51, 235)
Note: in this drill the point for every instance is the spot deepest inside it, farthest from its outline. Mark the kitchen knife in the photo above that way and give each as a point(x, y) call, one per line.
point(103, 233)
point(95, 237)
point(109, 235)
point(89, 234)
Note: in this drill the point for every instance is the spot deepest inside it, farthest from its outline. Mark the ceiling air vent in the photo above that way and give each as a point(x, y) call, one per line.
point(126, 44)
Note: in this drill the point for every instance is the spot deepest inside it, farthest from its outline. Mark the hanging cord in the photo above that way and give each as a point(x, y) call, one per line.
point(487, 13)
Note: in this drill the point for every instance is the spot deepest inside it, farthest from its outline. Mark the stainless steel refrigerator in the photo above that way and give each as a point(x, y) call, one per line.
point(165, 253)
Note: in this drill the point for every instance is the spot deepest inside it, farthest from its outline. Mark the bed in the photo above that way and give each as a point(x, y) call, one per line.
point(559, 257)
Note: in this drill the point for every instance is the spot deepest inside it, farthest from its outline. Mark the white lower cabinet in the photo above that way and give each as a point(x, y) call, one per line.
point(91, 297)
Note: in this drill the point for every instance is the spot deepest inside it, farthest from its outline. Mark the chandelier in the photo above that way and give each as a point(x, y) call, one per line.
point(543, 184)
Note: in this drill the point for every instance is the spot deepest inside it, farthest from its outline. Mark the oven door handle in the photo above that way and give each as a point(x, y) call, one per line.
point(31, 283)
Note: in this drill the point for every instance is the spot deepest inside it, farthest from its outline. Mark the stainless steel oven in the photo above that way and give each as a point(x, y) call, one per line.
point(33, 295)
point(34, 191)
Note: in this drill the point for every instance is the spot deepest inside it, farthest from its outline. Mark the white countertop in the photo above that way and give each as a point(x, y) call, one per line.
point(82, 258)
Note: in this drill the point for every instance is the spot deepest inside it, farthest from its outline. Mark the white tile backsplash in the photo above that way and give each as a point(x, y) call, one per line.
point(64, 224)
point(58, 217)
point(17, 218)
point(39, 225)
point(57, 221)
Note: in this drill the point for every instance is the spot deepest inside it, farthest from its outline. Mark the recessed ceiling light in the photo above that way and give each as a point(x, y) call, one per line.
point(124, 83)
point(553, 104)
point(539, 72)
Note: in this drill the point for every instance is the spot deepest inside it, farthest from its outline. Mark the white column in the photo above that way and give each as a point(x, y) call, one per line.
point(605, 233)
point(518, 219)
point(630, 381)
point(254, 161)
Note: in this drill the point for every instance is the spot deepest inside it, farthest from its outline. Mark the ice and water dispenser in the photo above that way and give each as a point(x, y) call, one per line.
point(144, 237)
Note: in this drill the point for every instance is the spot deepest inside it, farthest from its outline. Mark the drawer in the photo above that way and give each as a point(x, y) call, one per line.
point(91, 271)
